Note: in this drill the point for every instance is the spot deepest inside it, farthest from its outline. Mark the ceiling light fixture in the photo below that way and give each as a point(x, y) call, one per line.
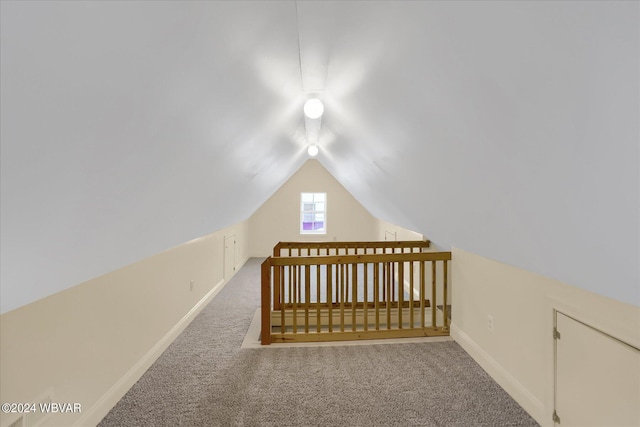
point(313, 108)
point(312, 150)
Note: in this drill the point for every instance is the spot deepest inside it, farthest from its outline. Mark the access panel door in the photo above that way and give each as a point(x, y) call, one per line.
point(597, 377)
point(229, 256)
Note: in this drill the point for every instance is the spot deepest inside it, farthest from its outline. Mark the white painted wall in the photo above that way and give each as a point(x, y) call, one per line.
point(120, 144)
point(91, 342)
point(506, 128)
point(278, 219)
point(518, 353)
point(400, 233)
point(509, 129)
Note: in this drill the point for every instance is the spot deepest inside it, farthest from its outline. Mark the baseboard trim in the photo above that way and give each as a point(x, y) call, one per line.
point(513, 387)
point(102, 407)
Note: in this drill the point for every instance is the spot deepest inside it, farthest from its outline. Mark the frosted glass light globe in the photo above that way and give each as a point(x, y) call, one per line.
point(312, 150)
point(313, 108)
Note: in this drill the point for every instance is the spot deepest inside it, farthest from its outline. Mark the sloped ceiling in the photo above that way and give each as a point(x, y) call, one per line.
point(505, 128)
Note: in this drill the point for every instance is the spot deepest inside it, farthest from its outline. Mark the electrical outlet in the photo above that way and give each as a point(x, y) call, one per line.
point(191, 285)
point(490, 323)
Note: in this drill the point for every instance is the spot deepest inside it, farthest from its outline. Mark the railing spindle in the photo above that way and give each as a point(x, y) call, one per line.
point(343, 285)
point(444, 296)
point(329, 296)
point(433, 295)
point(400, 293)
point(366, 297)
point(422, 292)
point(318, 310)
point(354, 294)
point(295, 304)
point(376, 293)
point(389, 296)
point(411, 297)
point(282, 307)
point(290, 280)
point(395, 290)
point(277, 296)
point(299, 270)
point(307, 295)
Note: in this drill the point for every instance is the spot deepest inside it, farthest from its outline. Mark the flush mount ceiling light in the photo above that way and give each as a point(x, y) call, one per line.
point(313, 108)
point(312, 150)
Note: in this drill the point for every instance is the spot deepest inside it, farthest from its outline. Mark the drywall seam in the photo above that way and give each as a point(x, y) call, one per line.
point(520, 394)
point(102, 407)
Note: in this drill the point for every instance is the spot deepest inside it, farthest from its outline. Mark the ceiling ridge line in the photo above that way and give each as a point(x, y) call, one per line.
point(299, 48)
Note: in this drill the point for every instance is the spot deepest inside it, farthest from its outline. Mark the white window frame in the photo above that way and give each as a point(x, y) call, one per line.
point(313, 212)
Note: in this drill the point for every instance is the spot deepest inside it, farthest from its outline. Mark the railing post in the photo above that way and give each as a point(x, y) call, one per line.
point(266, 302)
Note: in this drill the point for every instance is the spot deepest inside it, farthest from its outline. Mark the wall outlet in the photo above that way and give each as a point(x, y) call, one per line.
point(490, 323)
point(191, 285)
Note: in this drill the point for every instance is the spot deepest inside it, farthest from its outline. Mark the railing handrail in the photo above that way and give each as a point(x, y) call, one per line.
point(382, 244)
point(360, 259)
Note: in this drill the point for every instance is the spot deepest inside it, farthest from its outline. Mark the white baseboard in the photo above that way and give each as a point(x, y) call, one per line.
point(513, 387)
point(102, 407)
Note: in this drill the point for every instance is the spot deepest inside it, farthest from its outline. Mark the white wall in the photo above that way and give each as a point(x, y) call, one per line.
point(518, 353)
point(506, 128)
point(396, 231)
point(91, 342)
point(117, 145)
point(511, 131)
point(278, 219)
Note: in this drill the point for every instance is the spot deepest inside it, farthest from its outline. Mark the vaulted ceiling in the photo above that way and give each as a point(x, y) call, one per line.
point(505, 128)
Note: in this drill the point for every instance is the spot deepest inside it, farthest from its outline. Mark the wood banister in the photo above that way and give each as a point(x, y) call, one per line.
point(336, 246)
point(355, 291)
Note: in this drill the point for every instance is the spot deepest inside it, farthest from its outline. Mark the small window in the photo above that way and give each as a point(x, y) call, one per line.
point(313, 213)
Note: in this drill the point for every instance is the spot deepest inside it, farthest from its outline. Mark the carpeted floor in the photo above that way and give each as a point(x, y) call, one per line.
point(205, 379)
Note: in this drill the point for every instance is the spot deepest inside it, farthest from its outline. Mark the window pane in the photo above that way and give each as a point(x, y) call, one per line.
point(313, 213)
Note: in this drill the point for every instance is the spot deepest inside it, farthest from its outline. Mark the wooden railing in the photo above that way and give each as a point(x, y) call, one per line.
point(355, 296)
point(289, 249)
point(348, 248)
